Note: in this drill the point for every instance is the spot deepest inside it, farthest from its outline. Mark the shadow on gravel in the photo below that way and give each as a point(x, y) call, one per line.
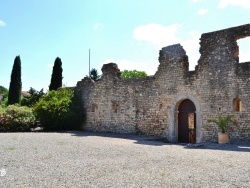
point(239, 146)
point(139, 139)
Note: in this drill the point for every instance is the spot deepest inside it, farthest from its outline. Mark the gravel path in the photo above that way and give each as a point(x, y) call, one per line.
point(83, 159)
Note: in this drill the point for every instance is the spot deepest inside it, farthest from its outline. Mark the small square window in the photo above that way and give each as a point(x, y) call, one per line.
point(115, 107)
point(94, 107)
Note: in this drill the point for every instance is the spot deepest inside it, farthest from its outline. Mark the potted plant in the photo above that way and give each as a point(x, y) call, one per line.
point(224, 124)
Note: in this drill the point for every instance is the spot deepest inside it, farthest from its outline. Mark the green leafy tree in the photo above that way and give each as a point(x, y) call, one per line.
point(33, 98)
point(56, 77)
point(3, 90)
point(3, 96)
point(132, 74)
point(94, 75)
point(15, 83)
point(57, 110)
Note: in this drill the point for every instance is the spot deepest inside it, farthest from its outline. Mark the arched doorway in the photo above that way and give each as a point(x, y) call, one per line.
point(187, 122)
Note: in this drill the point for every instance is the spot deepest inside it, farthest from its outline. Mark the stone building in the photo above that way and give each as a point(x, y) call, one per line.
point(175, 103)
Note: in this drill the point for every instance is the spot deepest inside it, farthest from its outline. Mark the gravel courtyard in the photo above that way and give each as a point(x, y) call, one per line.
point(84, 159)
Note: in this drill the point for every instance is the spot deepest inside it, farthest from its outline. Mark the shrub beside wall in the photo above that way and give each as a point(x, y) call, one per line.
point(16, 118)
point(57, 110)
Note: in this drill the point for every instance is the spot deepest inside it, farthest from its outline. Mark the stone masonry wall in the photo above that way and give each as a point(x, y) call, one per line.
point(150, 105)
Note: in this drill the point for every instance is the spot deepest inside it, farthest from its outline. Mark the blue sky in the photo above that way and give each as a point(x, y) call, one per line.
point(129, 33)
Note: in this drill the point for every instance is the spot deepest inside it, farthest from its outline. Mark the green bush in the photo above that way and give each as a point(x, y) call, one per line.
point(16, 118)
point(2, 110)
point(4, 102)
point(5, 93)
point(76, 112)
point(56, 110)
point(33, 98)
point(133, 74)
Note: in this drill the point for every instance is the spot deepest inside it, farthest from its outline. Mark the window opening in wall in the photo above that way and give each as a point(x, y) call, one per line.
point(115, 107)
point(94, 107)
point(244, 49)
point(237, 105)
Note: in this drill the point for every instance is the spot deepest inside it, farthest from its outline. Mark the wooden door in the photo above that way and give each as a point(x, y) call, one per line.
point(187, 122)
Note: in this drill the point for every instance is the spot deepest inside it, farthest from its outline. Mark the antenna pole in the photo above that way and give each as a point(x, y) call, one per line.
point(89, 62)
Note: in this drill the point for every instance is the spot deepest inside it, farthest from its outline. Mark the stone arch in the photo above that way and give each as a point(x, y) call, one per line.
point(173, 117)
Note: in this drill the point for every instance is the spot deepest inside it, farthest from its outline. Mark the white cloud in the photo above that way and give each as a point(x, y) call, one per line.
point(98, 26)
point(2, 23)
point(239, 3)
point(160, 36)
point(157, 34)
point(191, 46)
point(124, 64)
point(193, 33)
point(202, 11)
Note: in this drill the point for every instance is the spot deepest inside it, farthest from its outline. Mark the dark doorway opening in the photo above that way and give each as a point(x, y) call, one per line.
point(187, 122)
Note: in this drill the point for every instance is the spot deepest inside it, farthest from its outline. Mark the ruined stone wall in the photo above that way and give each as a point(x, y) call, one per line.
point(224, 79)
point(118, 105)
point(150, 105)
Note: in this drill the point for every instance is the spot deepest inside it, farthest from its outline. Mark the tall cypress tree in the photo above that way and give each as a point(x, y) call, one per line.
point(15, 83)
point(56, 77)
